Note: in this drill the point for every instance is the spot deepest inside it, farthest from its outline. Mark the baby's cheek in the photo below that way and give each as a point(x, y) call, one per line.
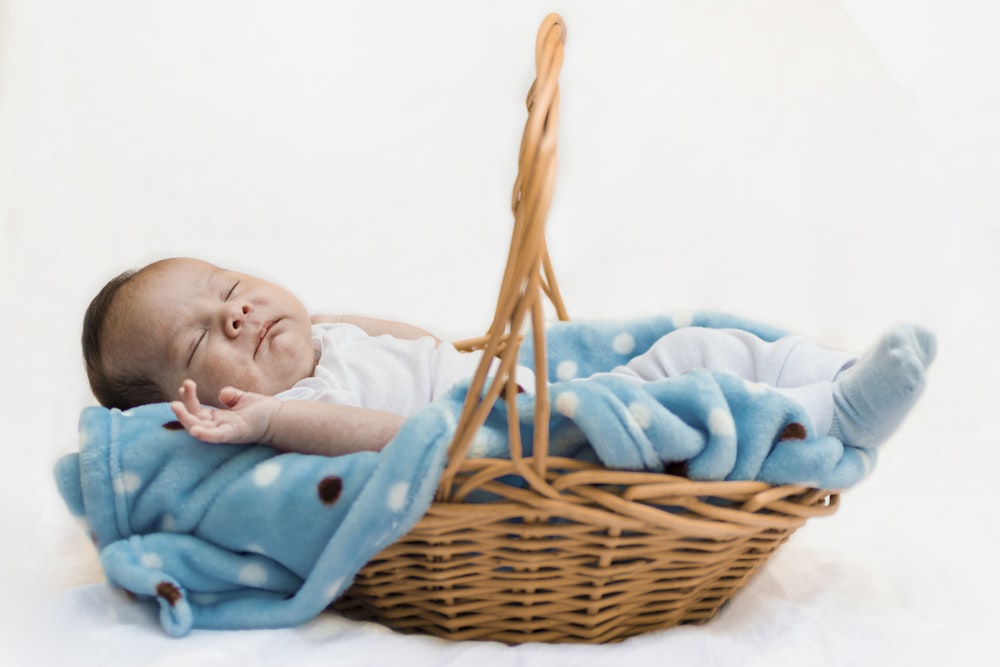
point(224, 372)
point(247, 380)
point(292, 361)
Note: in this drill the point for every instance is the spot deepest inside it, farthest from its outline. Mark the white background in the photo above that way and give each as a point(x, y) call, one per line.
point(831, 167)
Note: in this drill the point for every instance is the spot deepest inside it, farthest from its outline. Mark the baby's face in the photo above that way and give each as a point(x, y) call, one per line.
point(186, 318)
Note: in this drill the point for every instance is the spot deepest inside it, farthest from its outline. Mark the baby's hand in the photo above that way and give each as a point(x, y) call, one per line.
point(245, 419)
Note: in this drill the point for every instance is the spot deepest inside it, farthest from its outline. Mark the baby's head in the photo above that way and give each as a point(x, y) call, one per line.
point(148, 330)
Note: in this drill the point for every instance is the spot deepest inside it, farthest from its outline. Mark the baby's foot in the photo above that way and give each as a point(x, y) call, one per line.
point(872, 397)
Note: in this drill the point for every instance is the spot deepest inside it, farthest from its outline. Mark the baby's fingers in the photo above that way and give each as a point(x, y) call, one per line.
point(189, 396)
point(230, 396)
point(184, 416)
point(203, 429)
point(216, 433)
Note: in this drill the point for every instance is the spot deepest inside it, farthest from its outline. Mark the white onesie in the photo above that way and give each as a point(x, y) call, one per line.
point(402, 375)
point(381, 372)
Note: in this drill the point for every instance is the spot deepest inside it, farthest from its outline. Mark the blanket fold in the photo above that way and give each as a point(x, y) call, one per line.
point(225, 536)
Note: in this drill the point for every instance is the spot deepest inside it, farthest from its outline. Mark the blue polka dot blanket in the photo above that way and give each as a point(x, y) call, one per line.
point(233, 537)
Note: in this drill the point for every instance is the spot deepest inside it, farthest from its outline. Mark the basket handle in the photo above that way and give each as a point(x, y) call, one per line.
point(527, 276)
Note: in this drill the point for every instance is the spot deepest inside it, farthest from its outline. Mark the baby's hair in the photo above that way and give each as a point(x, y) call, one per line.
point(112, 391)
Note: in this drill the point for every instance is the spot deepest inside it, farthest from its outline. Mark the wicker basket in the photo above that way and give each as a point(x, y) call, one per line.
point(583, 553)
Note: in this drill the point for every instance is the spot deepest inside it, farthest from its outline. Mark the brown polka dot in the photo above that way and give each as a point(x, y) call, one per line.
point(174, 426)
point(794, 431)
point(677, 468)
point(329, 489)
point(503, 391)
point(168, 592)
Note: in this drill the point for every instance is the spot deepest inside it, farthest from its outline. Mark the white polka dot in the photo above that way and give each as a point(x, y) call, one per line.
point(641, 414)
point(683, 319)
point(265, 473)
point(396, 500)
point(720, 422)
point(479, 446)
point(151, 561)
point(127, 482)
point(128, 413)
point(754, 387)
point(168, 524)
point(566, 403)
point(253, 574)
point(623, 343)
point(566, 370)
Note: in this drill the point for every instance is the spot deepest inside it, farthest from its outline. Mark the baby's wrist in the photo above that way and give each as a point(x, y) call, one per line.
point(272, 418)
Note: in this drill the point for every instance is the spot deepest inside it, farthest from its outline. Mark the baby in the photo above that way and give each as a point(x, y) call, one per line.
point(249, 364)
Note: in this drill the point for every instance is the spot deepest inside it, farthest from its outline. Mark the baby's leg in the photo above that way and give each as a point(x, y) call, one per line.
point(791, 361)
point(793, 366)
point(872, 397)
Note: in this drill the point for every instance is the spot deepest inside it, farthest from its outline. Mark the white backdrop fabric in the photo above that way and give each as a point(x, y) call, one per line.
point(831, 167)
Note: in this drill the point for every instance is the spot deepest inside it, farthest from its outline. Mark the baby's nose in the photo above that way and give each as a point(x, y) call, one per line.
point(236, 319)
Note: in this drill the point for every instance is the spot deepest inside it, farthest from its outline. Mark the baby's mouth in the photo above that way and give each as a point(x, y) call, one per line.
point(262, 334)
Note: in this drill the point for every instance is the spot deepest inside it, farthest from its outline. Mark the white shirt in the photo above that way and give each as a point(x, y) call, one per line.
point(381, 372)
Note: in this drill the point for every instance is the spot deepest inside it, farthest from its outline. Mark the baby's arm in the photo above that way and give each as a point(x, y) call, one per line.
point(376, 327)
point(307, 427)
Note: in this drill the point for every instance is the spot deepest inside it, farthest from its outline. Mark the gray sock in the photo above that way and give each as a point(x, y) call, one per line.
point(872, 397)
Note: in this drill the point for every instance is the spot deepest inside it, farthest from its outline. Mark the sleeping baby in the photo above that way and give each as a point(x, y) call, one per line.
point(248, 364)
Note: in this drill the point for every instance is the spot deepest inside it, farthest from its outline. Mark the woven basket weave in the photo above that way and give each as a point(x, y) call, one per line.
point(583, 553)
